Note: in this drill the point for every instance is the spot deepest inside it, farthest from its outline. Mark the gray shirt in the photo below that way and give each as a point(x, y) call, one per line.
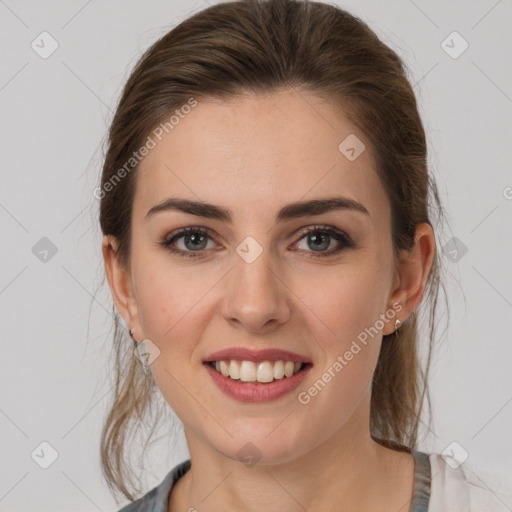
point(157, 499)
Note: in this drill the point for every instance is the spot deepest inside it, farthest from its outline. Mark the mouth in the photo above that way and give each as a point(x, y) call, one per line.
point(262, 375)
point(258, 372)
point(257, 381)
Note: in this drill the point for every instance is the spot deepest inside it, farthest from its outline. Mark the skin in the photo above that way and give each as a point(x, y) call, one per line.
point(253, 155)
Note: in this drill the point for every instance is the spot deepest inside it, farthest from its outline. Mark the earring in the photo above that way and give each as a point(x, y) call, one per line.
point(142, 350)
point(397, 325)
point(131, 331)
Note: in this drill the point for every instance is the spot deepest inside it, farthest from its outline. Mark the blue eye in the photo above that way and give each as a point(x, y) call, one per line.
point(197, 241)
point(193, 240)
point(318, 239)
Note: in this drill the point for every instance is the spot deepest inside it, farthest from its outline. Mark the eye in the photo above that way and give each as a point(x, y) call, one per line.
point(319, 239)
point(187, 241)
point(194, 242)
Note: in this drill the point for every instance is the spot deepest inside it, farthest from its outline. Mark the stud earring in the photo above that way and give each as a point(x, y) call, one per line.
point(131, 331)
point(141, 348)
point(397, 325)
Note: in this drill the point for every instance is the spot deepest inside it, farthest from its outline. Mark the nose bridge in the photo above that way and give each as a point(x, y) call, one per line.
point(255, 294)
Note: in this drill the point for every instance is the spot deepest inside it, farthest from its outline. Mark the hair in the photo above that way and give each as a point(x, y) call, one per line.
point(261, 46)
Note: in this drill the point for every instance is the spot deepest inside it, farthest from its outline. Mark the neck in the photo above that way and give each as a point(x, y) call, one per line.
point(348, 470)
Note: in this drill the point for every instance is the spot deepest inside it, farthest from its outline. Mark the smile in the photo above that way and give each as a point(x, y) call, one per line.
point(262, 372)
point(262, 381)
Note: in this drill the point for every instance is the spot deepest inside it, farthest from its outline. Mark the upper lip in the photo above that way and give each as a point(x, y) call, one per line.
point(246, 354)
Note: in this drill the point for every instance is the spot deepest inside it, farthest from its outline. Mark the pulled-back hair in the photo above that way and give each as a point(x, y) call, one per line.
point(261, 46)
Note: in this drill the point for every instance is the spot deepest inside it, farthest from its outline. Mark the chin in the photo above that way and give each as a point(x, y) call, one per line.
point(254, 445)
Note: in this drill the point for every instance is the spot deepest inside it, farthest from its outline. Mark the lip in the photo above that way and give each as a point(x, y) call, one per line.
point(267, 354)
point(256, 392)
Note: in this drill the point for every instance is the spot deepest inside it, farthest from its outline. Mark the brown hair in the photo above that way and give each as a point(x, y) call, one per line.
point(262, 46)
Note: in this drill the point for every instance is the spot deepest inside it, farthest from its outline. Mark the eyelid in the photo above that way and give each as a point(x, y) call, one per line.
point(344, 240)
point(181, 232)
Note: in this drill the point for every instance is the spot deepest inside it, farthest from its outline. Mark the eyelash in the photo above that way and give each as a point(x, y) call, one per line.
point(342, 238)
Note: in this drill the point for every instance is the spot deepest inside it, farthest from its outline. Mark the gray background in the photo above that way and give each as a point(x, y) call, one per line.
point(55, 113)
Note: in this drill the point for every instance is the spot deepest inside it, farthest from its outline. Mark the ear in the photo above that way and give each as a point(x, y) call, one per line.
point(119, 280)
point(411, 277)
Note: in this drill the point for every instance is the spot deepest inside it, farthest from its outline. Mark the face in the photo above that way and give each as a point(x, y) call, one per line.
point(311, 282)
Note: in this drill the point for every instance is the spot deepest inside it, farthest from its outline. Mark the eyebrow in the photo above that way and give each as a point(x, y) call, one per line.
point(288, 212)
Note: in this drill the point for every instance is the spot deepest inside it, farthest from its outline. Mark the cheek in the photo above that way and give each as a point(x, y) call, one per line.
point(171, 313)
point(346, 305)
point(351, 308)
point(346, 325)
point(167, 297)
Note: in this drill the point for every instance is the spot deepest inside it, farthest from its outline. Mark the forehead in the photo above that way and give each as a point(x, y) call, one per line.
point(265, 149)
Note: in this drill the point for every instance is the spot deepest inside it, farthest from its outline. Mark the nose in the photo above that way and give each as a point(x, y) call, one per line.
point(256, 296)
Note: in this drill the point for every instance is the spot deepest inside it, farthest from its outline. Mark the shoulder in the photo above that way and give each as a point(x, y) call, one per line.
point(143, 504)
point(157, 499)
point(460, 488)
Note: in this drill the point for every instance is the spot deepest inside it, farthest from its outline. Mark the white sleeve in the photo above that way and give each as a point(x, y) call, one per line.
point(464, 490)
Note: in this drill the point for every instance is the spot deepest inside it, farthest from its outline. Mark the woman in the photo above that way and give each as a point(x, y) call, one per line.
point(267, 240)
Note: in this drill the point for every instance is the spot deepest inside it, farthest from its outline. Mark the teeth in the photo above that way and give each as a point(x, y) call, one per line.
point(264, 371)
point(224, 368)
point(247, 371)
point(288, 368)
point(278, 370)
point(234, 370)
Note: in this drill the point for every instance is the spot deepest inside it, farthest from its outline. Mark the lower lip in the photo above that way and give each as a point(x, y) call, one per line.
point(256, 392)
